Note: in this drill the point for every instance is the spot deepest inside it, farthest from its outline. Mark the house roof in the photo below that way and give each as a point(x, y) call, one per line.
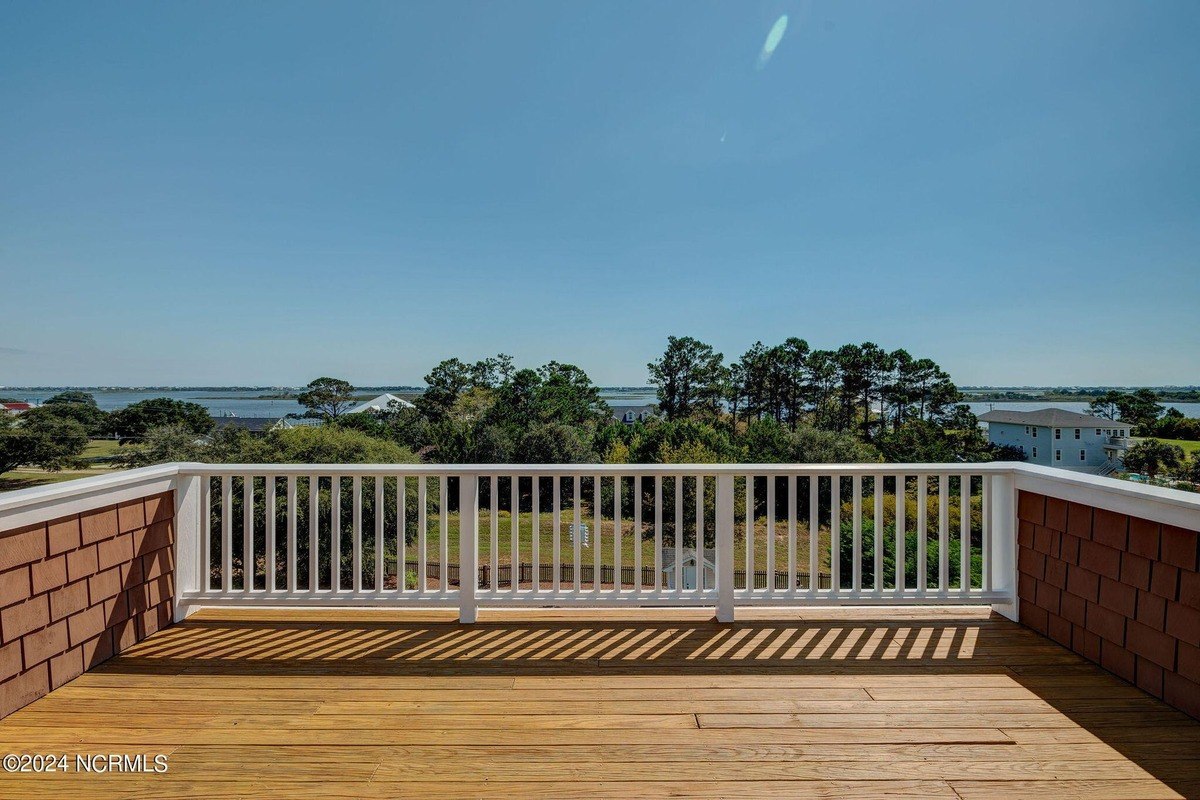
point(619, 412)
point(298, 422)
point(1050, 417)
point(380, 403)
point(689, 554)
point(17, 406)
point(252, 424)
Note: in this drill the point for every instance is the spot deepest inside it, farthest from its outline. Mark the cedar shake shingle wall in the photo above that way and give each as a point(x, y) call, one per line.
point(80, 589)
point(1119, 590)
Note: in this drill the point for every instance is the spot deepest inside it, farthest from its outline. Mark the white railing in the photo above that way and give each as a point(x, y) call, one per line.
point(507, 535)
point(447, 536)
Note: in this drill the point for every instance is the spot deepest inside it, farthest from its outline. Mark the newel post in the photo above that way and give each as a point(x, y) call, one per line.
point(724, 547)
point(188, 569)
point(1002, 558)
point(468, 543)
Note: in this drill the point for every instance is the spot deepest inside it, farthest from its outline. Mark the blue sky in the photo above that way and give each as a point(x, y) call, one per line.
point(206, 192)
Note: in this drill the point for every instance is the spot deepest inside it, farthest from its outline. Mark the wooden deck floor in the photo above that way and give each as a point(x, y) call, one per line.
point(941, 703)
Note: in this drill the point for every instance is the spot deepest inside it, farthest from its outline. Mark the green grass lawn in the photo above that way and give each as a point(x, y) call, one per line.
point(1189, 448)
point(606, 542)
point(97, 453)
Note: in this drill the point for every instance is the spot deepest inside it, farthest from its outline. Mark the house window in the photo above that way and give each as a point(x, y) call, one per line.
point(1035, 452)
point(1058, 455)
point(1035, 431)
point(1077, 433)
point(1026, 430)
point(1058, 433)
point(1083, 455)
point(1108, 431)
point(1097, 431)
point(1122, 432)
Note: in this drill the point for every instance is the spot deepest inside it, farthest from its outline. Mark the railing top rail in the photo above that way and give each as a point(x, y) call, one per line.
point(585, 470)
point(29, 506)
point(41, 503)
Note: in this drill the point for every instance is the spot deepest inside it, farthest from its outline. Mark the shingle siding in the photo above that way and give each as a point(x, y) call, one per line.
point(1131, 600)
point(80, 589)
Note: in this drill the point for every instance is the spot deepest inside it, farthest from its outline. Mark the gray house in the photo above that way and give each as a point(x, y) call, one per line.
point(1054, 437)
point(631, 414)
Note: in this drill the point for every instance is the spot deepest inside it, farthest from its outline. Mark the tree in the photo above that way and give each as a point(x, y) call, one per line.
point(768, 442)
point(44, 440)
point(167, 443)
point(922, 441)
point(1106, 405)
point(72, 396)
point(568, 396)
point(78, 406)
point(1141, 408)
point(1191, 470)
point(446, 381)
point(690, 377)
point(1152, 456)
point(133, 421)
point(327, 398)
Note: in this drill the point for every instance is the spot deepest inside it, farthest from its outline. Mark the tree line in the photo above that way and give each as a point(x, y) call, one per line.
point(785, 402)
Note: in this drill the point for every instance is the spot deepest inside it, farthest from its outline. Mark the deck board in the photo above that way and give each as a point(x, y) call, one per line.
point(814, 703)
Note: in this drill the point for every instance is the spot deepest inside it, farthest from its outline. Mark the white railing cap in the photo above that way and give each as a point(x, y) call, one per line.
point(30, 506)
point(624, 470)
point(54, 500)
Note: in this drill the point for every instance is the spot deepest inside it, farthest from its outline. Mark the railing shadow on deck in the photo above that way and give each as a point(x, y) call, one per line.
point(938, 644)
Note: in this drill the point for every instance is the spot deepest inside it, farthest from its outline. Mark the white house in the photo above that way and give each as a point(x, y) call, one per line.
point(380, 403)
point(1054, 437)
point(688, 568)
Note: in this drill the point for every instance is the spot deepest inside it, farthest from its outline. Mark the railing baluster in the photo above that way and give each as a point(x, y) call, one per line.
point(791, 493)
point(835, 532)
point(556, 503)
point(597, 501)
point(877, 539)
point(700, 533)
point(856, 542)
point(901, 536)
point(314, 497)
point(658, 532)
point(678, 533)
point(335, 533)
point(269, 537)
point(617, 582)
point(985, 521)
point(356, 543)
point(379, 518)
point(814, 532)
point(206, 511)
point(291, 564)
point(401, 533)
point(750, 582)
point(535, 509)
point(771, 534)
point(423, 536)
point(943, 532)
point(964, 524)
point(494, 513)
point(514, 519)
point(577, 535)
point(227, 532)
point(922, 533)
point(638, 583)
point(444, 533)
point(247, 533)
